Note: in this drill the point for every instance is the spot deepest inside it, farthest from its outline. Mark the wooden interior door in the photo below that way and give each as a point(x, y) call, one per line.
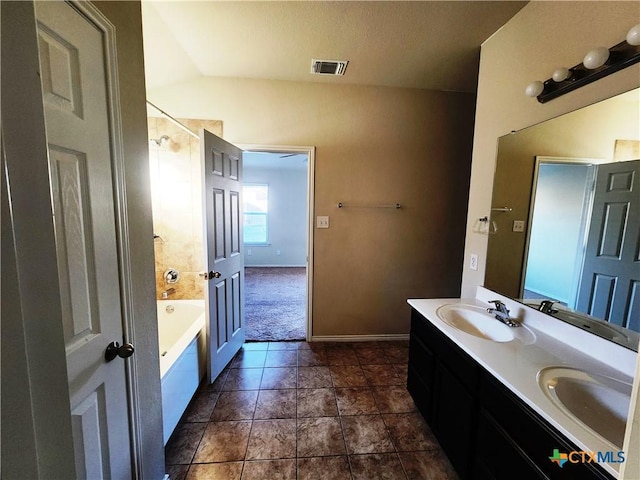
point(610, 284)
point(79, 105)
point(222, 163)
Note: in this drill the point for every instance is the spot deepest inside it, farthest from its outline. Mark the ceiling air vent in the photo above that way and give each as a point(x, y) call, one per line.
point(328, 67)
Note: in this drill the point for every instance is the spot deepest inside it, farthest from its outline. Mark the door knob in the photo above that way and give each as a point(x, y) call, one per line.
point(115, 350)
point(210, 275)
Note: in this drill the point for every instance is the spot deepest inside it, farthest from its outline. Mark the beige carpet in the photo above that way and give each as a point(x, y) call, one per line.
point(275, 303)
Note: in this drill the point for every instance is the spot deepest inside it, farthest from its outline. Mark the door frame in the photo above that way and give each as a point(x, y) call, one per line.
point(539, 160)
point(310, 151)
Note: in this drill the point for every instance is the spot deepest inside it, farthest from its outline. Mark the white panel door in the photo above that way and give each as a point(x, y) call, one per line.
point(222, 163)
point(78, 106)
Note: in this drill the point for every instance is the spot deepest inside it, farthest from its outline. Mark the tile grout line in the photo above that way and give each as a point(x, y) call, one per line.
point(255, 407)
point(296, 420)
point(344, 439)
point(395, 447)
point(195, 450)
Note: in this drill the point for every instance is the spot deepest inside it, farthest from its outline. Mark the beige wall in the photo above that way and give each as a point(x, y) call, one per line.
point(373, 145)
point(541, 37)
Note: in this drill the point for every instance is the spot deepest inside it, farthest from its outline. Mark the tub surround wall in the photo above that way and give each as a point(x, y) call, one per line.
point(373, 145)
point(176, 185)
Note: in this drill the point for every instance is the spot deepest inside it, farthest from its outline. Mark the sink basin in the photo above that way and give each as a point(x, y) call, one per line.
point(476, 321)
point(597, 402)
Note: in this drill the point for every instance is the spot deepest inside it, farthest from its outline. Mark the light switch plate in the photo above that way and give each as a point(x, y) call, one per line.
point(322, 221)
point(518, 225)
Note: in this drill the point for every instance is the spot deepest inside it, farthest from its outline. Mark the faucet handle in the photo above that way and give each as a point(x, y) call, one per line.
point(499, 306)
point(502, 313)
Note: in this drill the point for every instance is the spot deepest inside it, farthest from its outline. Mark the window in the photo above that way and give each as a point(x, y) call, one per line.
point(256, 213)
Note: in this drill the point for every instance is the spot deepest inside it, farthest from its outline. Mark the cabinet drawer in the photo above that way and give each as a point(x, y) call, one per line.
point(423, 330)
point(457, 361)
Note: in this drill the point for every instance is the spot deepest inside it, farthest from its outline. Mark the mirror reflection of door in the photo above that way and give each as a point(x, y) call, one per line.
point(584, 230)
point(610, 281)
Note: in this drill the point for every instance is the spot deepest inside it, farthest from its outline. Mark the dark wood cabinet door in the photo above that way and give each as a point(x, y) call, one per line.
point(497, 456)
point(453, 421)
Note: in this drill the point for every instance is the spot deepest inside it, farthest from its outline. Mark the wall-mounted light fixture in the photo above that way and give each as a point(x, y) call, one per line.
point(597, 63)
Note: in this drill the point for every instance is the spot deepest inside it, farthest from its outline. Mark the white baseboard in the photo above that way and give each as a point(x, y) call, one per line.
point(360, 338)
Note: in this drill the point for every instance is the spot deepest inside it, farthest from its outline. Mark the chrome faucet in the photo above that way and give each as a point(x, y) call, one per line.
point(546, 306)
point(501, 313)
point(167, 292)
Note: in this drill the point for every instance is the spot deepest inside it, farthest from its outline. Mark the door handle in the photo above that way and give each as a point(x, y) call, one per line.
point(210, 275)
point(115, 350)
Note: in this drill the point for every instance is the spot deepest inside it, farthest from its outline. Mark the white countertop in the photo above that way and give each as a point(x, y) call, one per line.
point(516, 363)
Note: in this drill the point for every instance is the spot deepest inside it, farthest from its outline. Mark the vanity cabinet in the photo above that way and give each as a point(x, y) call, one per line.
point(486, 431)
point(442, 380)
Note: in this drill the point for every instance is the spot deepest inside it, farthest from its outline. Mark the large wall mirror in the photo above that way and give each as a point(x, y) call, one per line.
point(565, 218)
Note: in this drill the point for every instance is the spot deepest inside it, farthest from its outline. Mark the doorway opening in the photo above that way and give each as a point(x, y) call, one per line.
point(277, 189)
point(559, 223)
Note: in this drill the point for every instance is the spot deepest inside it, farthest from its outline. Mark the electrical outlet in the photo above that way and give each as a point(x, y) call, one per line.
point(249, 252)
point(518, 225)
point(322, 221)
point(473, 261)
point(277, 252)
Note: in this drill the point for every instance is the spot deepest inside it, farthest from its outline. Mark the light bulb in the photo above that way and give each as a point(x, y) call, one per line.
point(596, 58)
point(534, 89)
point(561, 74)
point(633, 36)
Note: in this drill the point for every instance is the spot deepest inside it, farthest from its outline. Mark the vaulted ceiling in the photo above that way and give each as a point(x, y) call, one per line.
point(419, 44)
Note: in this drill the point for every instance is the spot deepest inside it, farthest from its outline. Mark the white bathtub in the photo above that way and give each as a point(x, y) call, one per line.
point(181, 339)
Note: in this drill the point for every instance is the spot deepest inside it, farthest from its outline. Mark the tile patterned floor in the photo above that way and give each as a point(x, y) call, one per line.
point(295, 410)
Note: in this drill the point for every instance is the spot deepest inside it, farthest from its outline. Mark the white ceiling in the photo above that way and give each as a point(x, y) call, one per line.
point(419, 44)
